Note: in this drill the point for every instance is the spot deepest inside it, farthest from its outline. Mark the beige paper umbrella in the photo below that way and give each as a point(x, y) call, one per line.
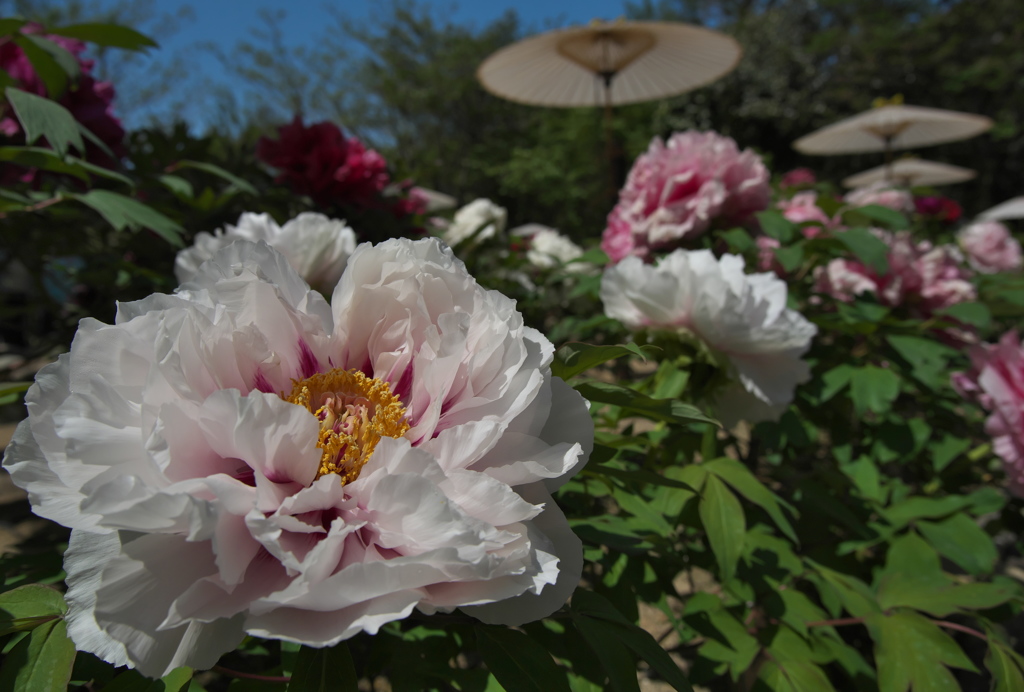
point(909, 172)
point(1010, 209)
point(609, 63)
point(892, 127)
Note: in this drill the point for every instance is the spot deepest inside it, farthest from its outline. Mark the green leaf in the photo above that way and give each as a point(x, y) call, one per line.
point(746, 484)
point(54, 64)
point(10, 26)
point(884, 215)
point(241, 184)
point(870, 250)
point(43, 118)
point(928, 359)
point(961, 540)
point(864, 474)
point(854, 594)
point(178, 680)
point(324, 670)
point(122, 212)
point(791, 676)
point(774, 224)
point(790, 257)
point(518, 662)
point(901, 514)
point(29, 606)
point(975, 314)
point(11, 392)
point(1006, 666)
point(944, 451)
point(739, 240)
point(573, 358)
point(110, 35)
point(99, 170)
point(669, 410)
point(647, 518)
point(40, 662)
point(177, 185)
point(912, 652)
point(873, 389)
point(722, 516)
point(591, 610)
point(834, 381)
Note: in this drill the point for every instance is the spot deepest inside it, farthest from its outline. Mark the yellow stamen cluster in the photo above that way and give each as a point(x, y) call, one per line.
point(354, 411)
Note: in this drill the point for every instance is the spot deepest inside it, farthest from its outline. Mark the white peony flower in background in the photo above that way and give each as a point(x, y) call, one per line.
point(882, 194)
point(317, 247)
point(742, 317)
point(481, 219)
point(549, 249)
point(241, 457)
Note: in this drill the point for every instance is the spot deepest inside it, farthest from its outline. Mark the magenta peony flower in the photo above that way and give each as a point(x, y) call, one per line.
point(938, 208)
point(882, 194)
point(996, 382)
point(990, 248)
point(320, 162)
point(798, 177)
point(89, 101)
point(922, 277)
point(679, 188)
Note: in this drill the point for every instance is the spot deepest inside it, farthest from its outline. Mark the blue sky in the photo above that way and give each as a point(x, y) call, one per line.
point(226, 22)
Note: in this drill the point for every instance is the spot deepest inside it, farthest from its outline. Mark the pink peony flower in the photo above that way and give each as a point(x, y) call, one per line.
point(320, 162)
point(241, 457)
point(884, 195)
point(921, 277)
point(766, 259)
point(996, 382)
point(798, 177)
point(803, 208)
point(990, 248)
point(679, 188)
point(89, 101)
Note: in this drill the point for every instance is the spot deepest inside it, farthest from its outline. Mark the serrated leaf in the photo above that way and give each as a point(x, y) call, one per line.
point(178, 680)
point(724, 523)
point(912, 652)
point(122, 212)
point(774, 224)
point(41, 662)
point(178, 185)
point(574, 358)
point(867, 248)
point(111, 35)
point(646, 517)
point(873, 389)
point(518, 662)
point(53, 64)
point(241, 184)
point(792, 676)
point(41, 117)
point(1006, 666)
point(961, 540)
point(855, 595)
point(746, 484)
point(886, 216)
point(975, 314)
point(592, 611)
point(669, 410)
point(324, 670)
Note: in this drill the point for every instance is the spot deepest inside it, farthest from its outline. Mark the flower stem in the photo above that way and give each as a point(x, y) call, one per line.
point(252, 676)
point(860, 621)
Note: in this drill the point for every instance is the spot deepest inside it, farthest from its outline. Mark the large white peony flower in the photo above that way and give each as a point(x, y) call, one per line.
point(316, 246)
point(742, 317)
point(243, 457)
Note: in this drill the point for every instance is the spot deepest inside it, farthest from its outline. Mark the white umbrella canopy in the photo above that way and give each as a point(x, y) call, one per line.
point(909, 172)
point(892, 127)
point(609, 63)
point(1010, 209)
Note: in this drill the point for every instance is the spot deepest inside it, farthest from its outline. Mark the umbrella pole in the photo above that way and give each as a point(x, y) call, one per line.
point(887, 140)
point(611, 153)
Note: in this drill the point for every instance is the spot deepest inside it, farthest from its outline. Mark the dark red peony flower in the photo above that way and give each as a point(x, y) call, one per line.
point(320, 162)
point(938, 208)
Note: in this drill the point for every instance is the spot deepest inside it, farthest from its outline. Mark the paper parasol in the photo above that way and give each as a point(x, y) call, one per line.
point(909, 172)
point(609, 63)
